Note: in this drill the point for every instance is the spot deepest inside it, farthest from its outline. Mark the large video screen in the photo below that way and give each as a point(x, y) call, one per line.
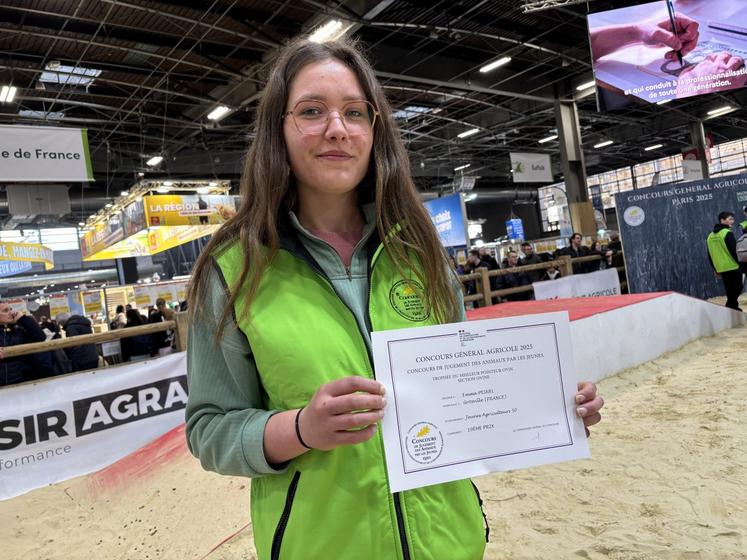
point(671, 49)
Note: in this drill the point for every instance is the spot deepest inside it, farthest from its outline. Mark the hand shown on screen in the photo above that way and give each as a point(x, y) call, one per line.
point(660, 34)
point(695, 81)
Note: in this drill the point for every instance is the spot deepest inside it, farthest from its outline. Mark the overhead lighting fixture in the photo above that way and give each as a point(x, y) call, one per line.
point(108, 205)
point(140, 174)
point(163, 189)
point(168, 183)
point(202, 190)
point(654, 147)
point(469, 132)
point(495, 64)
point(470, 197)
point(123, 193)
point(586, 85)
point(81, 224)
point(7, 93)
point(603, 144)
point(155, 160)
point(218, 113)
point(212, 184)
point(663, 101)
point(462, 167)
point(330, 31)
point(549, 139)
point(721, 111)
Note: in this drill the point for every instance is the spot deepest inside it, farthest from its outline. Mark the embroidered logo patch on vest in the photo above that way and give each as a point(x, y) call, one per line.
point(405, 299)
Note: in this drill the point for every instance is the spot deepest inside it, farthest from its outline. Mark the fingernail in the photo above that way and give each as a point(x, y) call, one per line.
point(579, 399)
point(383, 390)
point(581, 411)
point(383, 402)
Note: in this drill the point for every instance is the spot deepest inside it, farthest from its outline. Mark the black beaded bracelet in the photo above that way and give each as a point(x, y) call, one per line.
point(298, 430)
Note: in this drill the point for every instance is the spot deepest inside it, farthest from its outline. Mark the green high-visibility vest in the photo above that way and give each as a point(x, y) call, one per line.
point(743, 225)
point(722, 259)
point(337, 504)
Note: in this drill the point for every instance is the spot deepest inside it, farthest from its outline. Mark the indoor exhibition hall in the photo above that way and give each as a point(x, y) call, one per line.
point(373, 279)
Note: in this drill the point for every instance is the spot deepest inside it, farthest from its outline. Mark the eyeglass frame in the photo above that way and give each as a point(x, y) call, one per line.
point(376, 114)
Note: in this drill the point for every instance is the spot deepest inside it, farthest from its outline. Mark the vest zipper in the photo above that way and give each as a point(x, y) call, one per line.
point(277, 539)
point(401, 526)
point(396, 496)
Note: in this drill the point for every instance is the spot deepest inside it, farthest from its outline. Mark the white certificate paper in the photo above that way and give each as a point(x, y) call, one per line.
point(468, 399)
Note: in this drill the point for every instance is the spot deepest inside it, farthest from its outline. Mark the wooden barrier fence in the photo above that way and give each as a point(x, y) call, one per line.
point(482, 277)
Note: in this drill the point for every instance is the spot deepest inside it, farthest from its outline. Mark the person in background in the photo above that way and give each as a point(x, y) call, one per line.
point(574, 250)
point(120, 318)
point(530, 257)
point(596, 249)
point(486, 257)
point(83, 357)
point(139, 347)
point(614, 245)
point(743, 223)
point(281, 382)
point(161, 340)
point(17, 328)
point(722, 254)
point(514, 279)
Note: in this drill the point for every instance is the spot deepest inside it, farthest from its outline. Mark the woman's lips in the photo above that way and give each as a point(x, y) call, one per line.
point(334, 156)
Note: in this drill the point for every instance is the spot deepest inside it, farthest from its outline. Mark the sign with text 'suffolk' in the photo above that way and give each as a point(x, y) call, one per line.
point(44, 154)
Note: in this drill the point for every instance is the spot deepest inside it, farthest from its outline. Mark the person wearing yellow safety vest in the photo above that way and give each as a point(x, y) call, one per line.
point(330, 243)
point(743, 223)
point(722, 253)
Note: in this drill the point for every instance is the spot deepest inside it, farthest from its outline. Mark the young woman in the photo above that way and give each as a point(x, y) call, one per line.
point(283, 299)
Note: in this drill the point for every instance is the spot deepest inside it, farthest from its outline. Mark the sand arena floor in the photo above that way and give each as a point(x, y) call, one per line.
point(667, 481)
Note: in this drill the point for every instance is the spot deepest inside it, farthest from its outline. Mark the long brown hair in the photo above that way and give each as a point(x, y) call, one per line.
point(268, 191)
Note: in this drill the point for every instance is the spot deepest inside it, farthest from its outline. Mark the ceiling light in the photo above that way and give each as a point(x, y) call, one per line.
point(108, 205)
point(123, 193)
point(495, 64)
point(163, 189)
point(7, 94)
point(604, 144)
point(141, 174)
point(721, 111)
point(586, 85)
point(81, 224)
point(218, 113)
point(663, 101)
point(654, 147)
point(202, 190)
point(330, 31)
point(470, 197)
point(549, 139)
point(469, 132)
point(462, 167)
point(212, 184)
point(155, 160)
point(168, 183)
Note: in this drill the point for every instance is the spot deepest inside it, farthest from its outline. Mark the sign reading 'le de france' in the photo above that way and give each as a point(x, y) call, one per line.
point(44, 153)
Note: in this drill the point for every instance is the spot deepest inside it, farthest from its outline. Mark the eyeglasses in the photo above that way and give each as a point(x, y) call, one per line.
point(312, 117)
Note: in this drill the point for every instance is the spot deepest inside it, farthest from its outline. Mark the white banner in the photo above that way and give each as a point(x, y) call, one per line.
point(595, 284)
point(69, 426)
point(531, 168)
point(44, 153)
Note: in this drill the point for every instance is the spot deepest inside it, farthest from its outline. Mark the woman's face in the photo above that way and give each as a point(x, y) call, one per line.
point(331, 162)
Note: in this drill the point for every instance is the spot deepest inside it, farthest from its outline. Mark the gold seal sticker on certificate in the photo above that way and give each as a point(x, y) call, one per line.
point(471, 398)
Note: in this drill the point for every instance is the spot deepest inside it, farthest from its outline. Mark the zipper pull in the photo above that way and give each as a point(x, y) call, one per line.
point(350, 274)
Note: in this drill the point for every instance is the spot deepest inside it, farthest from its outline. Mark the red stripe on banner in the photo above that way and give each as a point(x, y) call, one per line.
point(578, 308)
point(141, 463)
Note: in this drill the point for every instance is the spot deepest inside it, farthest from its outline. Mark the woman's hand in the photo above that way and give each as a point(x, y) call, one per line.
point(342, 412)
point(588, 404)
